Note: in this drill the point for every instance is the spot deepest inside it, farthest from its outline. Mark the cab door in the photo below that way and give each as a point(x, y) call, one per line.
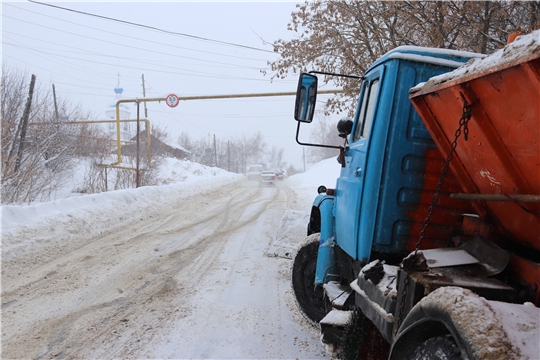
point(350, 184)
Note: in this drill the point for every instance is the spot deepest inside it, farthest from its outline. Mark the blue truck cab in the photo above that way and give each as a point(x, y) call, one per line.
point(395, 266)
point(390, 169)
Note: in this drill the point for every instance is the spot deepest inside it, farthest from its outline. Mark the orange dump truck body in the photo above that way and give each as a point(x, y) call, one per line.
point(499, 164)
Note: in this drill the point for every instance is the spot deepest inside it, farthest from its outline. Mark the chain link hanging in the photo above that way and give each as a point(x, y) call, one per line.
point(463, 124)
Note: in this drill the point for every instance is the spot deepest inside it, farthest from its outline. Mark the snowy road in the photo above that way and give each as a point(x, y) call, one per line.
point(183, 282)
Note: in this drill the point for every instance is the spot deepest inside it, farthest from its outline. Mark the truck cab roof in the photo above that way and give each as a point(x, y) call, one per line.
point(436, 56)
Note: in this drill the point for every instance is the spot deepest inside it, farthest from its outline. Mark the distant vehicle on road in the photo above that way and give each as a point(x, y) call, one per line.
point(279, 173)
point(254, 171)
point(267, 178)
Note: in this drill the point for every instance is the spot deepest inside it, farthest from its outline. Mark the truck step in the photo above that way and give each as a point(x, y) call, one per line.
point(333, 325)
point(339, 295)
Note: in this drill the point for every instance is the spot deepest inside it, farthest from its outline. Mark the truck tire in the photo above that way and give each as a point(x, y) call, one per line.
point(448, 312)
point(310, 298)
point(441, 347)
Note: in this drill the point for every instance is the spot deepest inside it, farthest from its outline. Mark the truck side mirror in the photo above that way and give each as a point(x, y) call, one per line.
point(306, 96)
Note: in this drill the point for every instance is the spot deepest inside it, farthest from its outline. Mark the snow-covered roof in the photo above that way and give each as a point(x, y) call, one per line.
point(458, 53)
point(436, 56)
point(425, 59)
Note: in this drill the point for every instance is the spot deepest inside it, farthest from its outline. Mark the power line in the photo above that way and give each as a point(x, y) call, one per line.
point(119, 44)
point(190, 73)
point(153, 28)
point(124, 45)
point(146, 62)
point(123, 35)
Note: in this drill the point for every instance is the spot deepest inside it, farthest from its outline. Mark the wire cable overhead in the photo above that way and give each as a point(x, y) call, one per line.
point(151, 27)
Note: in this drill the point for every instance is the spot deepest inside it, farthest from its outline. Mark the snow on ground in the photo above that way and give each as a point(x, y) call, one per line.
point(324, 173)
point(105, 209)
point(293, 225)
point(90, 254)
point(96, 213)
point(37, 228)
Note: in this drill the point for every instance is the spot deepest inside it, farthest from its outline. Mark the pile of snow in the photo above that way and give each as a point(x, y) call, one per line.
point(49, 223)
point(171, 171)
point(291, 231)
point(293, 226)
point(174, 171)
point(305, 184)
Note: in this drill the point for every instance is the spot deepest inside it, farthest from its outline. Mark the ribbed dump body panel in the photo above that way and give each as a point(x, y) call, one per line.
point(502, 154)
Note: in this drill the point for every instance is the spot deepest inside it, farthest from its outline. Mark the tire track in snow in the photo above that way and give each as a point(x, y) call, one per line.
point(132, 285)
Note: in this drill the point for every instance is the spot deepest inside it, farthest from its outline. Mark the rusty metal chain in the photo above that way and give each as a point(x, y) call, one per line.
point(402, 302)
point(463, 124)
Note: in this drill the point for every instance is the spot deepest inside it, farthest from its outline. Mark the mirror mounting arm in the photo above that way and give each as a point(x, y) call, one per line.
point(341, 148)
point(316, 145)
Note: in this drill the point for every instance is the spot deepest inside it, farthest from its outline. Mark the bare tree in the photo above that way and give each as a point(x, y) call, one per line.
point(93, 148)
point(186, 141)
point(292, 170)
point(347, 36)
point(46, 150)
point(232, 154)
point(99, 177)
point(324, 132)
point(14, 94)
point(275, 157)
point(54, 145)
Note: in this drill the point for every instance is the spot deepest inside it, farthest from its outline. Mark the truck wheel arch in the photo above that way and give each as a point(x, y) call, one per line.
point(458, 312)
point(309, 297)
point(420, 326)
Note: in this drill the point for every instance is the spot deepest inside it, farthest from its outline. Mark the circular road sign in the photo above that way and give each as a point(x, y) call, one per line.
point(172, 100)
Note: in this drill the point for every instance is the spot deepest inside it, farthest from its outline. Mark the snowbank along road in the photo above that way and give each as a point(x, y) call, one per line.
point(182, 281)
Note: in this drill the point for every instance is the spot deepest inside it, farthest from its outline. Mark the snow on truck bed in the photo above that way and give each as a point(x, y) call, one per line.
point(523, 48)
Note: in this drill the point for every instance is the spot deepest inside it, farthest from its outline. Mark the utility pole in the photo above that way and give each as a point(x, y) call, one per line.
point(304, 157)
point(215, 152)
point(137, 171)
point(144, 95)
point(55, 105)
point(24, 122)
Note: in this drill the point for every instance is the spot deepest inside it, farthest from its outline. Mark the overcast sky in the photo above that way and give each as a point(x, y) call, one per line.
point(219, 48)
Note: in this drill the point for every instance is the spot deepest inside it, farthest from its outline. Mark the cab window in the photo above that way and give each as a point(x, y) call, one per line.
point(367, 110)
